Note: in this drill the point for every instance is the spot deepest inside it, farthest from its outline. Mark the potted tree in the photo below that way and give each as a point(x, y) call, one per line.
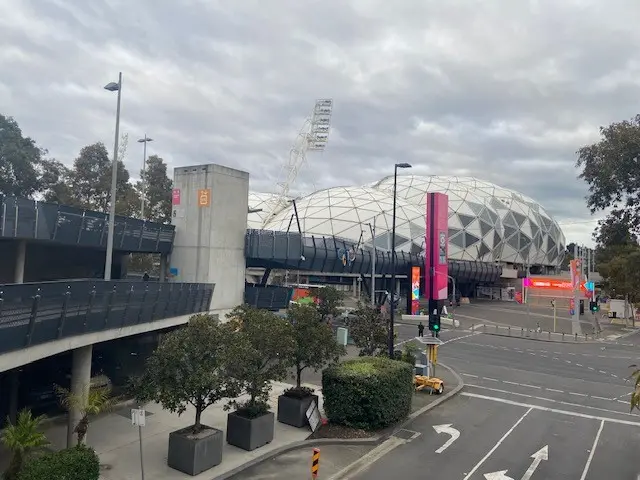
point(265, 344)
point(315, 347)
point(189, 368)
point(22, 438)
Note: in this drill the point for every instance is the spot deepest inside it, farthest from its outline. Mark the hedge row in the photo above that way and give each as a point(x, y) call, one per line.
point(77, 463)
point(368, 392)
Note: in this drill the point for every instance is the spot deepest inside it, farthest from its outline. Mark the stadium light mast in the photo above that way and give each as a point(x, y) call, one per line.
point(313, 136)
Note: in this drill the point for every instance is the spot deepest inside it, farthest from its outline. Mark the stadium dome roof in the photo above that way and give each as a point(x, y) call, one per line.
point(348, 212)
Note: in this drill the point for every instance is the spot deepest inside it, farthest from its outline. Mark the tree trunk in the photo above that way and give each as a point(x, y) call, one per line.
point(14, 466)
point(298, 375)
point(81, 429)
point(197, 426)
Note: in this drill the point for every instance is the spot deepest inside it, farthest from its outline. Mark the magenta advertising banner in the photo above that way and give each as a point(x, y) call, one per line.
point(437, 243)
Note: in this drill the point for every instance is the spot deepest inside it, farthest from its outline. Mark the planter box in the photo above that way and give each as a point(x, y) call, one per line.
point(249, 433)
point(292, 411)
point(193, 454)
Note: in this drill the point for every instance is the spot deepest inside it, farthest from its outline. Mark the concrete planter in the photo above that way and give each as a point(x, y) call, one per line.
point(250, 433)
point(292, 411)
point(194, 453)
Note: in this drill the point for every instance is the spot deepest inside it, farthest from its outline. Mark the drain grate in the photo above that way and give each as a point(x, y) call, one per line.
point(406, 434)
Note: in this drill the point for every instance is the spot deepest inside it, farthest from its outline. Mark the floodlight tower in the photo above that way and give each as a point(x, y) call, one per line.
point(313, 136)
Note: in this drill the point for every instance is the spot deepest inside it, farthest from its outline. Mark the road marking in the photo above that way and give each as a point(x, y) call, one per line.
point(568, 361)
point(490, 379)
point(551, 410)
point(529, 386)
point(558, 353)
point(578, 394)
point(495, 447)
point(554, 390)
point(469, 375)
point(589, 407)
point(556, 358)
point(601, 371)
point(614, 375)
point(592, 452)
point(591, 368)
point(578, 364)
point(543, 351)
point(449, 430)
point(569, 353)
point(545, 356)
point(365, 462)
point(510, 383)
point(602, 398)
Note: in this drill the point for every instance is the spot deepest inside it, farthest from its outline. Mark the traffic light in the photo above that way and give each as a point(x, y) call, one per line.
point(593, 306)
point(434, 322)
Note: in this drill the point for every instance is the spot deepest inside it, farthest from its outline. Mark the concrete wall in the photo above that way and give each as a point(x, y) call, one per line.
point(209, 242)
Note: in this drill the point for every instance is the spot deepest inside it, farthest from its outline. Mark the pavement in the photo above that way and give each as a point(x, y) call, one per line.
point(529, 410)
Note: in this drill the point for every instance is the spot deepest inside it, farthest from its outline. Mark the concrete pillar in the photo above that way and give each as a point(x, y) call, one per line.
point(80, 381)
point(14, 388)
point(21, 255)
point(164, 262)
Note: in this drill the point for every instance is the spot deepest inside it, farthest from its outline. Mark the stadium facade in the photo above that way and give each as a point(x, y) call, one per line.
point(487, 223)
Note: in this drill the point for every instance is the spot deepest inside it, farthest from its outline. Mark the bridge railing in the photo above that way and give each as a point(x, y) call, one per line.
point(36, 313)
point(21, 218)
point(268, 297)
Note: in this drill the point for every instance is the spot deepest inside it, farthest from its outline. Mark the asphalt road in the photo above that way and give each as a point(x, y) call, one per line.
point(539, 410)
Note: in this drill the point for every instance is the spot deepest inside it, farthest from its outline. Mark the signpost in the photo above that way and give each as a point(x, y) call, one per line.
point(138, 418)
point(313, 416)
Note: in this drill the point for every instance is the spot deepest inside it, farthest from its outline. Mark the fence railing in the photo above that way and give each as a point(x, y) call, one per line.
point(268, 297)
point(22, 218)
point(36, 313)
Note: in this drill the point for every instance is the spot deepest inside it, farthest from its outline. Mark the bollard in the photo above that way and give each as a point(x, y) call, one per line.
point(522, 332)
point(315, 463)
point(576, 337)
point(509, 329)
point(586, 338)
point(496, 328)
point(549, 335)
point(484, 328)
point(563, 336)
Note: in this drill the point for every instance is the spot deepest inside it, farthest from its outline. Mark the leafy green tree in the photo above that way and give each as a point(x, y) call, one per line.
point(22, 438)
point(20, 161)
point(315, 343)
point(265, 347)
point(330, 300)
point(157, 190)
point(369, 330)
point(191, 367)
point(610, 168)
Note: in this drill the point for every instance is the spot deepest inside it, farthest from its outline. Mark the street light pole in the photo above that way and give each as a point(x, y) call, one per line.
point(373, 264)
point(113, 87)
point(393, 258)
point(143, 183)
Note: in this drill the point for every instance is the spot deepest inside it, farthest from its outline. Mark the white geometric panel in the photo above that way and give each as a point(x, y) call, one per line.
point(348, 212)
point(263, 202)
point(511, 227)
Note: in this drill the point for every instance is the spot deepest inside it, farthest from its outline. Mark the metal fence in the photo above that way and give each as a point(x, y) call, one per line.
point(22, 218)
point(36, 313)
point(268, 297)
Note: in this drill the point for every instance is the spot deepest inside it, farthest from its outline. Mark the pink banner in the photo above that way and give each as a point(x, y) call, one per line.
point(175, 198)
point(437, 244)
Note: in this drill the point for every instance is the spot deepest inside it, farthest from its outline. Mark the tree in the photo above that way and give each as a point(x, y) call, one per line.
point(330, 300)
point(20, 161)
point(265, 347)
point(21, 438)
point(635, 395)
point(157, 190)
point(190, 367)
point(369, 331)
point(568, 256)
point(610, 167)
point(315, 342)
point(91, 402)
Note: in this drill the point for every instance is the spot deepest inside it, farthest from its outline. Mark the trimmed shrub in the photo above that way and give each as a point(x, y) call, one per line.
point(368, 392)
point(77, 463)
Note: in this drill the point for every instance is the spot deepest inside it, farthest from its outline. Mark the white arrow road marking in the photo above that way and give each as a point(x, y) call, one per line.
point(538, 457)
point(501, 475)
point(449, 430)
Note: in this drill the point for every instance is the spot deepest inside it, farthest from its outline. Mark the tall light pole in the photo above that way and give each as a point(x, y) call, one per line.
point(393, 257)
point(113, 87)
point(143, 193)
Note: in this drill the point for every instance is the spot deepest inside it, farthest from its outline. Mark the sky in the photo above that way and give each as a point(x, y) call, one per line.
point(503, 90)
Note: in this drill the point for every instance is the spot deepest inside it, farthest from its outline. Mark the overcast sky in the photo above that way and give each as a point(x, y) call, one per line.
point(504, 90)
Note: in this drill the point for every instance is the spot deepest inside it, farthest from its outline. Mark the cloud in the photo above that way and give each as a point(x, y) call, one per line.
point(502, 90)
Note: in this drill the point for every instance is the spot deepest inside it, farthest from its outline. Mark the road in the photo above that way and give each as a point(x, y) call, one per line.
point(537, 410)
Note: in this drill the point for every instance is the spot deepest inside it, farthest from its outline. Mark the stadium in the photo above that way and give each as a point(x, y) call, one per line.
point(488, 224)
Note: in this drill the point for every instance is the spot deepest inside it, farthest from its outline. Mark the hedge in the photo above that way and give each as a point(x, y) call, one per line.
point(77, 463)
point(368, 392)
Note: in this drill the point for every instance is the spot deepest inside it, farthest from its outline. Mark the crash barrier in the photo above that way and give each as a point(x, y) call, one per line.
point(533, 333)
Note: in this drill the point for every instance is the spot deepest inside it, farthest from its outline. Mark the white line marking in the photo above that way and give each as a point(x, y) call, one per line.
point(543, 351)
point(558, 353)
point(578, 394)
point(568, 361)
point(490, 379)
point(578, 364)
point(602, 398)
point(510, 383)
point(570, 353)
point(589, 407)
point(529, 386)
point(363, 463)
point(545, 356)
point(591, 368)
point(602, 356)
point(554, 390)
point(601, 371)
point(614, 375)
point(495, 447)
point(592, 452)
point(469, 375)
point(556, 358)
point(552, 410)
